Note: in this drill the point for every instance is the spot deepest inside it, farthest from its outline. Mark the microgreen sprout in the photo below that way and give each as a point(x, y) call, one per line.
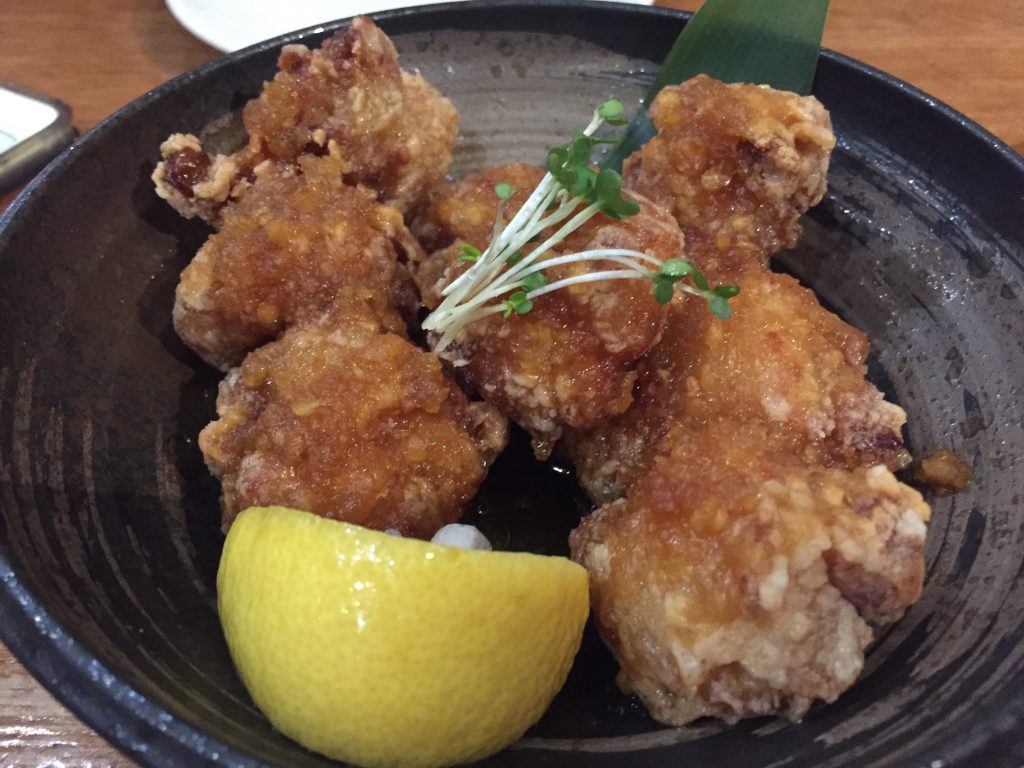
point(469, 253)
point(518, 302)
point(674, 271)
point(503, 278)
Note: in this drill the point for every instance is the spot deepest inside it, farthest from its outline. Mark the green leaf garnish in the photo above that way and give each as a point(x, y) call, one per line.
point(504, 191)
point(770, 42)
point(534, 281)
point(518, 303)
point(469, 253)
point(608, 192)
point(677, 268)
point(663, 289)
point(611, 108)
point(671, 276)
point(719, 307)
point(570, 167)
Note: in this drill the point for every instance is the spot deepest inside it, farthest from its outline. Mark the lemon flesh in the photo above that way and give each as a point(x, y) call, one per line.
point(384, 651)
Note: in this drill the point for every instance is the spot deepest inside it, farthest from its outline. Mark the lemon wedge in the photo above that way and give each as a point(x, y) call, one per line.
point(384, 651)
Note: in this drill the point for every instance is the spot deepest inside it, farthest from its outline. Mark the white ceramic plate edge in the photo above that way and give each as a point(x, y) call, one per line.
point(233, 24)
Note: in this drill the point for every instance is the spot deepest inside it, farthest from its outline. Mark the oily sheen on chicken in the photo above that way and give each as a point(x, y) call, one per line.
point(392, 131)
point(751, 531)
point(571, 361)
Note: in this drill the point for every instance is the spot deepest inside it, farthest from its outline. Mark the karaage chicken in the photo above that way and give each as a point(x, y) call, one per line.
point(782, 360)
point(571, 360)
point(282, 252)
point(392, 131)
point(344, 418)
point(736, 165)
point(734, 581)
point(761, 530)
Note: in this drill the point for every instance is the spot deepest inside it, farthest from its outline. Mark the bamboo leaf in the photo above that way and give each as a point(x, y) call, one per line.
point(773, 42)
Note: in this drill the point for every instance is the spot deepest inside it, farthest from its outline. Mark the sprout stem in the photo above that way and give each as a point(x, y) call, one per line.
point(590, 277)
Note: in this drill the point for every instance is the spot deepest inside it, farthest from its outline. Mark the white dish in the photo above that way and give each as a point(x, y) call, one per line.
point(233, 24)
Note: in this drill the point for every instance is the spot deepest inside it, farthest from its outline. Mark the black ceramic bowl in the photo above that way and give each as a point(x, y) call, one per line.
point(109, 533)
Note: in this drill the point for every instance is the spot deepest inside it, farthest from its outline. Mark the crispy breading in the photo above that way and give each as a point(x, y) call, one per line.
point(737, 581)
point(570, 361)
point(344, 419)
point(393, 132)
point(737, 165)
point(751, 528)
point(282, 253)
point(781, 360)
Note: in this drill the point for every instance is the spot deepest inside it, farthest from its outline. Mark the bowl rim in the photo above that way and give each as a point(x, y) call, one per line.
point(151, 734)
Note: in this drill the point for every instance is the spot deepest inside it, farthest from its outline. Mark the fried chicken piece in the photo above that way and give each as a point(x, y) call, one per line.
point(282, 253)
point(392, 130)
point(735, 581)
point(737, 165)
point(781, 360)
point(423, 153)
point(754, 542)
point(347, 420)
point(571, 360)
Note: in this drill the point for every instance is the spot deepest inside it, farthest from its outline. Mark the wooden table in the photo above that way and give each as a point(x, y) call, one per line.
point(99, 56)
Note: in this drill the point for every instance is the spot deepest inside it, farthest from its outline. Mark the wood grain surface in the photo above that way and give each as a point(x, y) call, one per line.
point(98, 56)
